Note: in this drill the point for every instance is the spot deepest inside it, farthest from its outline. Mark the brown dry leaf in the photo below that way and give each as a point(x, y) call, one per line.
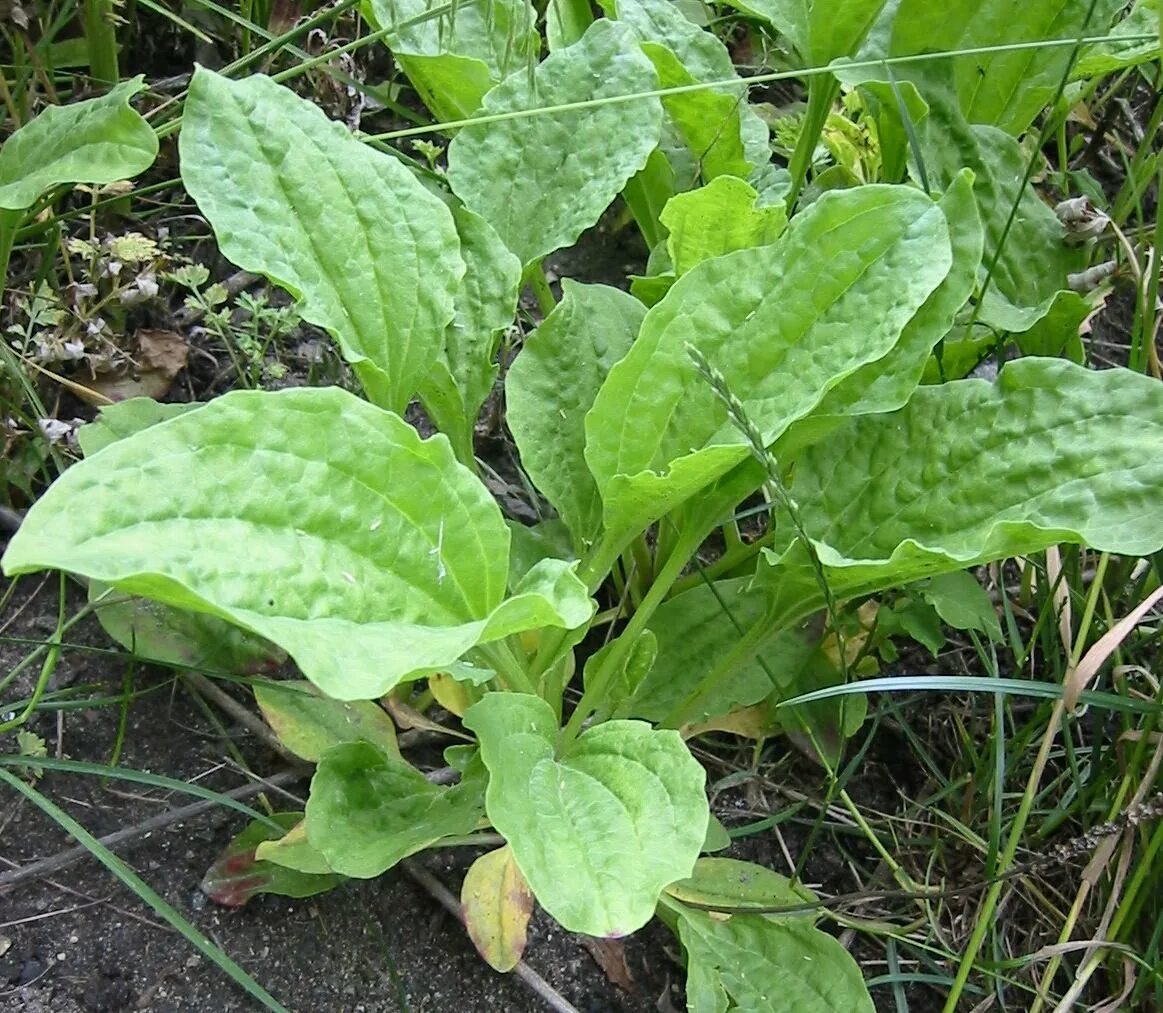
point(163, 351)
point(161, 356)
point(753, 722)
point(408, 718)
point(610, 956)
point(1079, 678)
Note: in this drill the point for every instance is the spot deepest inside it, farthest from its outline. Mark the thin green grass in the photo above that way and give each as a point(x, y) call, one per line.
point(144, 892)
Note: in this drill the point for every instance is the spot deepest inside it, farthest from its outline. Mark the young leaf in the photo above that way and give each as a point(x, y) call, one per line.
point(100, 140)
point(294, 851)
point(707, 120)
point(716, 219)
point(523, 175)
point(1006, 89)
point(599, 831)
point(307, 516)
point(552, 384)
point(763, 963)
point(497, 904)
point(371, 255)
point(238, 874)
point(685, 53)
point(368, 810)
point(309, 724)
point(1106, 57)
point(462, 378)
point(962, 602)
point(972, 471)
point(888, 383)
point(778, 322)
point(453, 59)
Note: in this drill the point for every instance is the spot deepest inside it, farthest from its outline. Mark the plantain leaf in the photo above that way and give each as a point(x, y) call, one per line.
point(116, 421)
point(888, 383)
point(599, 831)
point(754, 963)
point(99, 140)
point(371, 255)
point(1004, 89)
point(497, 905)
point(783, 323)
point(552, 384)
point(307, 516)
point(524, 175)
point(463, 377)
point(368, 809)
point(972, 471)
point(453, 59)
point(239, 872)
point(728, 884)
point(716, 219)
point(309, 724)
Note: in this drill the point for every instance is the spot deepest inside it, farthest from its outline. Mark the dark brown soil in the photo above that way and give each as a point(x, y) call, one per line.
point(81, 941)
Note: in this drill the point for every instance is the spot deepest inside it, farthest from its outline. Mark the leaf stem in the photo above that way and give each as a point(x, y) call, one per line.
point(535, 278)
point(595, 693)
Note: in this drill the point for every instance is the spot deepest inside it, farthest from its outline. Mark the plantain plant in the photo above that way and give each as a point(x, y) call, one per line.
point(775, 350)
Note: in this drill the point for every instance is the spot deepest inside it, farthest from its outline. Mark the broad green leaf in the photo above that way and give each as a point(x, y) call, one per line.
point(371, 255)
point(887, 384)
point(463, 377)
point(972, 471)
point(452, 60)
point(718, 218)
point(962, 602)
point(309, 517)
point(368, 810)
point(566, 21)
point(696, 630)
point(524, 175)
point(727, 884)
point(499, 33)
point(756, 964)
point(1006, 89)
point(309, 724)
point(238, 874)
point(497, 905)
point(552, 384)
point(451, 86)
point(837, 27)
point(734, 139)
point(174, 636)
point(820, 30)
point(599, 831)
point(1106, 57)
point(100, 140)
point(548, 539)
point(294, 851)
point(717, 837)
point(783, 323)
point(1034, 260)
point(125, 418)
point(707, 120)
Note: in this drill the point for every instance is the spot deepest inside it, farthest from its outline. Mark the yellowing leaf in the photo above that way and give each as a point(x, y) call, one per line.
point(497, 906)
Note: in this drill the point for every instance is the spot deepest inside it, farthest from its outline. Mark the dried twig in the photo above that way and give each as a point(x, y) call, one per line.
point(535, 983)
point(127, 835)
